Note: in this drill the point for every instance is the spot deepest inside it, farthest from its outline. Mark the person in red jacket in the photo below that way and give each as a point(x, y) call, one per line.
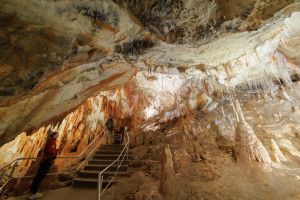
point(48, 157)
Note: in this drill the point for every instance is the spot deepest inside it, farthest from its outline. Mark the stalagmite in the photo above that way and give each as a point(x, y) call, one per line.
point(168, 184)
point(277, 154)
point(248, 148)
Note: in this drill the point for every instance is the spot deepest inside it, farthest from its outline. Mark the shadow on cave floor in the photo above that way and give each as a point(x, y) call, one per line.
point(65, 193)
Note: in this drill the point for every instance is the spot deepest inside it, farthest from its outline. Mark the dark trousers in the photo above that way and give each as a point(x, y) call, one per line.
point(110, 134)
point(42, 172)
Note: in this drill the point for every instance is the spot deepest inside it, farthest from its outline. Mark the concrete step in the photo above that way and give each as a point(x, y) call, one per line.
point(110, 157)
point(101, 167)
point(110, 152)
point(91, 182)
point(105, 162)
point(94, 174)
point(112, 146)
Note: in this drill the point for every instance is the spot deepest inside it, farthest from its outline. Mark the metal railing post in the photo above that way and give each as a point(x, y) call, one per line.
point(100, 180)
point(3, 174)
point(128, 143)
point(13, 170)
point(99, 187)
point(10, 176)
point(127, 151)
point(2, 192)
point(2, 189)
point(75, 171)
point(117, 176)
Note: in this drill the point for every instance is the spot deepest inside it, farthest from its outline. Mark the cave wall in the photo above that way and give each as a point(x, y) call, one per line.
point(67, 65)
point(81, 48)
point(130, 105)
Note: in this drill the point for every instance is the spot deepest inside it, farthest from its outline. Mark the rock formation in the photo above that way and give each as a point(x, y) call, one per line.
point(248, 148)
point(168, 184)
point(277, 154)
point(169, 71)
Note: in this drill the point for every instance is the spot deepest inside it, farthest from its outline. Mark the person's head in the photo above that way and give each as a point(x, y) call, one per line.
point(110, 116)
point(54, 135)
point(126, 128)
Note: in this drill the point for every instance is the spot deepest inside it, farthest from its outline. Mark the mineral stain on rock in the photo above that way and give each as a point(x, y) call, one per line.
point(107, 16)
point(136, 46)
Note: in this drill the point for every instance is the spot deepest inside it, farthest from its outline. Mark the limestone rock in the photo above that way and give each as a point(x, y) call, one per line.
point(248, 148)
point(283, 95)
point(296, 110)
point(180, 159)
point(53, 61)
point(197, 154)
point(288, 146)
point(142, 61)
point(277, 154)
point(175, 138)
point(169, 186)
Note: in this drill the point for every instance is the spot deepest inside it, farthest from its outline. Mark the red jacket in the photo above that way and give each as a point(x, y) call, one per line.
point(50, 151)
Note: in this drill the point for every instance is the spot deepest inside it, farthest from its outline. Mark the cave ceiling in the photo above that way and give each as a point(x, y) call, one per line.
point(57, 53)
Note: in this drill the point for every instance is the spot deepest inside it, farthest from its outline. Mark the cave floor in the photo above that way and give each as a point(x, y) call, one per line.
point(65, 193)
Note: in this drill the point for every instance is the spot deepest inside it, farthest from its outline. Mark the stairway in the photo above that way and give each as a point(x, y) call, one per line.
point(103, 157)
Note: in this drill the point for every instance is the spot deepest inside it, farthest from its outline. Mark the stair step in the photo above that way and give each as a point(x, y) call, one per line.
point(105, 162)
point(109, 152)
point(110, 157)
point(91, 182)
point(102, 158)
point(110, 149)
point(113, 145)
point(94, 174)
point(101, 167)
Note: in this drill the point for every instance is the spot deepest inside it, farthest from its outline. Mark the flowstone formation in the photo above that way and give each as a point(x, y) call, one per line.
point(208, 89)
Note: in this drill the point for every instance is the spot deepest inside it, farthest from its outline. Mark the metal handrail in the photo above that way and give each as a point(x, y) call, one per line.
point(3, 174)
point(15, 162)
point(30, 158)
point(100, 175)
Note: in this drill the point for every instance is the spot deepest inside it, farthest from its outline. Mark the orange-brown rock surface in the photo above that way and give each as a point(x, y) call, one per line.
point(168, 184)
